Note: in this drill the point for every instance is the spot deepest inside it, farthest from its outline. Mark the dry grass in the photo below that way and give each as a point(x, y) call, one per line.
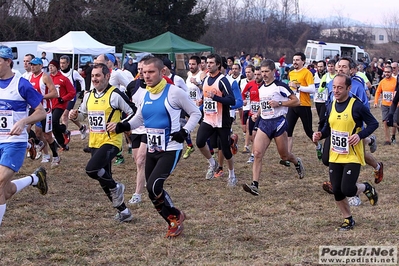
point(73, 224)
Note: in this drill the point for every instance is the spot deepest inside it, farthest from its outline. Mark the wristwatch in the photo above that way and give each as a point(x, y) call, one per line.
point(280, 103)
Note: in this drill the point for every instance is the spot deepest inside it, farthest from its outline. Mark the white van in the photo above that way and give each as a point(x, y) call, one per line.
point(21, 48)
point(316, 51)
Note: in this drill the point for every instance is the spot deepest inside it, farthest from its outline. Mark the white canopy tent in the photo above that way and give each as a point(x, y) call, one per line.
point(76, 42)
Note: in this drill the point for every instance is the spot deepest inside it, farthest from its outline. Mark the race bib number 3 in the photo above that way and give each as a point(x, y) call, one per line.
point(210, 106)
point(97, 121)
point(6, 122)
point(156, 139)
point(339, 142)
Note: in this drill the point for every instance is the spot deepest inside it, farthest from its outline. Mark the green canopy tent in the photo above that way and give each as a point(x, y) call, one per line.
point(166, 43)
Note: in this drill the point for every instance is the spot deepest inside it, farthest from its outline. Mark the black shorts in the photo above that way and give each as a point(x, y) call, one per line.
point(70, 105)
point(137, 139)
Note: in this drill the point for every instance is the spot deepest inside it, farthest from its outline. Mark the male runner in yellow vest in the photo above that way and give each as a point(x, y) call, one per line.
point(346, 116)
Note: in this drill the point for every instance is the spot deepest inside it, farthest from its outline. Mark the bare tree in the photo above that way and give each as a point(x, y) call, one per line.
point(391, 24)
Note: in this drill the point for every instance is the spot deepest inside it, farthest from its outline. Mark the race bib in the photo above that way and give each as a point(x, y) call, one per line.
point(210, 106)
point(254, 107)
point(266, 109)
point(387, 96)
point(320, 97)
point(97, 121)
point(49, 122)
point(339, 142)
point(193, 94)
point(6, 121)
point(156, 139)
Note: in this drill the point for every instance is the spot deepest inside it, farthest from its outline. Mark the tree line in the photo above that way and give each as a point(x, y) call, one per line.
point(269, 27)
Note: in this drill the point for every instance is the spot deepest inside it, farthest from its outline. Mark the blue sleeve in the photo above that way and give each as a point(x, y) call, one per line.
point(237, 95)
point(395, 100)
point(330, 93)
point(227, 94)
point(364, 115)
point(26, 90)
point(358, 89)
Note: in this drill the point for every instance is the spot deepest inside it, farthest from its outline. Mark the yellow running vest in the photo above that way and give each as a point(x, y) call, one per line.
point(99, 112)
point(342, 126)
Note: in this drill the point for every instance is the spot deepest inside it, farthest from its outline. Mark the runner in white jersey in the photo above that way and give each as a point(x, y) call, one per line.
point(16, 94)
point(138, 137)
point(73, 77)
point(321, 95)
point(275, 98)
point(194, 86)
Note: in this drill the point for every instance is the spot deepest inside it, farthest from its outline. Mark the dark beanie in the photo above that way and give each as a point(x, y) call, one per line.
point(167, 63)
point(55, 63)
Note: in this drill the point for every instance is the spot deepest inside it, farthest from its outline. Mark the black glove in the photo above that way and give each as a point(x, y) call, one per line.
point(180, 135)
point(60, 100)
point(390, 120)
point(122, 127)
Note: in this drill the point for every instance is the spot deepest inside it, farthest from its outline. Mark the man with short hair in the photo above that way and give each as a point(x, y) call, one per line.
point(347, 66)
point(346, 150)
point(218, 97)
point(302, 83)
point(321, 94)
point(160, 113)
point(386, 88)
point(116, 79)
point(194, 86)
point(27, 59)
point(45, 62)
point(251, 105)
point(275, 98)
point(73, 77)
point(103, 106)
point(66, 92)
point(44, 85)
point(395, 69)
point(15, 97)
point(244, 111)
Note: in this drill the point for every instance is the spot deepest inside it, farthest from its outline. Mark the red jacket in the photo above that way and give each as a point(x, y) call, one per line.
point(65, 88)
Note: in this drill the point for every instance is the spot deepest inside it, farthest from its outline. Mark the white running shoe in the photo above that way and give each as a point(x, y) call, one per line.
point(83, 132)
point(354, 201)
point(46, 158)
point(136, 198)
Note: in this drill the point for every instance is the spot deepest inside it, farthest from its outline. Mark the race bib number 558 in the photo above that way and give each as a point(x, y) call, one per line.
point(339, 142)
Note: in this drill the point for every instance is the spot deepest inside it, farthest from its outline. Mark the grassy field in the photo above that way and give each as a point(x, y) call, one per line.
point(285, 225)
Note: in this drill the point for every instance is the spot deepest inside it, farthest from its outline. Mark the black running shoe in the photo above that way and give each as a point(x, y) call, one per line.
point(346, 225)
point(371, 193)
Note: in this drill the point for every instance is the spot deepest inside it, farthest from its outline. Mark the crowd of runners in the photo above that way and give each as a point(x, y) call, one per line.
point(152, 111)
